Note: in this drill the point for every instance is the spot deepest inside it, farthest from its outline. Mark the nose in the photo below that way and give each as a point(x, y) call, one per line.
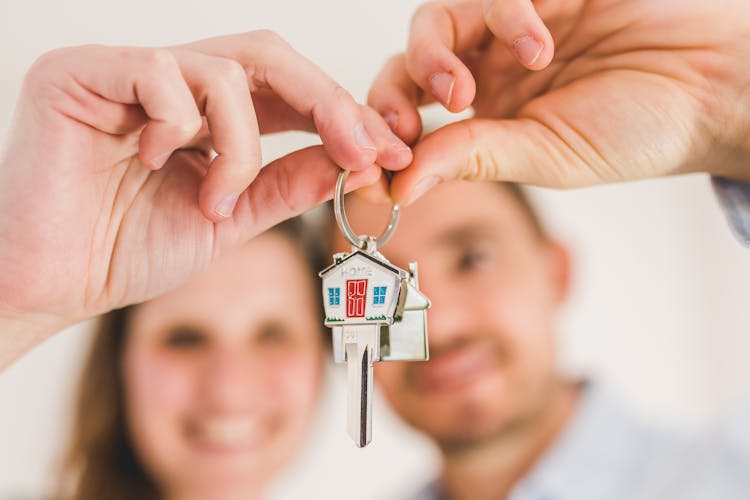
point(230, 380)
point(450, 317)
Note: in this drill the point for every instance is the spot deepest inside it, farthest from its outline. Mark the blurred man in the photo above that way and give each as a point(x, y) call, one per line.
point(507, 422)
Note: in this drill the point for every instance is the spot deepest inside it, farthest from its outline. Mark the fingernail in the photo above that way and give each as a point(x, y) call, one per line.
point(397, 143)
point(362, 138)
point(158, 161)
point(226, 206)
point(423, 186)
point(441, 86)
point(527, 49)
point(391, 118)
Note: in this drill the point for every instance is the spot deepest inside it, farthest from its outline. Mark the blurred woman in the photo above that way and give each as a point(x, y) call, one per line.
point(207, 391)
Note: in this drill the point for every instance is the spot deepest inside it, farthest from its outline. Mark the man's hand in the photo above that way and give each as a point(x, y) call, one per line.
point(635, 89)
point(110, 191)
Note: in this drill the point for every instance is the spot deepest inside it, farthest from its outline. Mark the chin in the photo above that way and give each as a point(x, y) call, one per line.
point(222, 475)
point(466, 423)
point(226, 486)
point(476, 413)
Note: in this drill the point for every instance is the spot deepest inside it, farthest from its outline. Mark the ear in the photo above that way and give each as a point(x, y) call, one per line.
point(560, 269)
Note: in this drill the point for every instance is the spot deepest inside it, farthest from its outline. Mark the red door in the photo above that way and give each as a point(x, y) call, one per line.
point(356, 296)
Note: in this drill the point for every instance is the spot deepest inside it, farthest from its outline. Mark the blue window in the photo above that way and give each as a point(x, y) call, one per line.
point(378, 295)
point(334, 296)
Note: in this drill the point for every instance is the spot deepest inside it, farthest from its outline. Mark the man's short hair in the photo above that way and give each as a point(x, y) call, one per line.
point(519, 195)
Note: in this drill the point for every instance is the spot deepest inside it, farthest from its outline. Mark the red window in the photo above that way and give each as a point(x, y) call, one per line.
point(356, 294)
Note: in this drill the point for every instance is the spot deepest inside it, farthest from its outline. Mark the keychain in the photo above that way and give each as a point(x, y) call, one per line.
point(375, 310)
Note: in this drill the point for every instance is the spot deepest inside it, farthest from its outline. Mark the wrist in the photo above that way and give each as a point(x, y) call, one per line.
point(20, 333)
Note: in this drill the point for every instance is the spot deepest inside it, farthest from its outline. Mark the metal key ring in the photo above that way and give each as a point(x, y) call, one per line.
point(368, 242)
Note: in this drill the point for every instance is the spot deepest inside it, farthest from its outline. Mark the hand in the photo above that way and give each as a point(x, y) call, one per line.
point(110, 193)
point(636, 89)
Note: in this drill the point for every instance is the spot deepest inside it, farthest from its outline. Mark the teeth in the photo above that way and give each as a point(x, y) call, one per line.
point(230, 431)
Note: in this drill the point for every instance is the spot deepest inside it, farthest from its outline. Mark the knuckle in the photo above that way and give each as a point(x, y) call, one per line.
point(285, 179)
point(267, 50)
point(493, 9)
point(480, 163)
point(191, 123)
point(324, 111)
point(53, 62)
point(419, 49)
point(259, 76)
point(158, 61)
point(267, 37)
point(231, 73)
point(340, 94)
point(49, 76)
point(423, 11)
point(45, 62)
point(162, 71)
point(339, 99)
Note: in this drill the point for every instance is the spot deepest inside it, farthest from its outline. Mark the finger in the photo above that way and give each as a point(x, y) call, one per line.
point(118, 90)
point(396, 97)
point(377, 192)
point(275, 115)
point(439, 33)
point(219, 87)
point(150, 78)
point(271, 63)
point(287, 187)
point(393, 154)
point(522, 150)
point(517, 24)
point(201, 141)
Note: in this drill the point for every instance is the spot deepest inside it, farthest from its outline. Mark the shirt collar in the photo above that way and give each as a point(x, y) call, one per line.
point(588, 459)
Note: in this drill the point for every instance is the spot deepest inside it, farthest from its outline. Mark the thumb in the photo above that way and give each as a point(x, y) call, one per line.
point(520, 150)
point(284, 188)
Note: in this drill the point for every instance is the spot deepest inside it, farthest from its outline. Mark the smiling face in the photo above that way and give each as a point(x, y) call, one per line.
point(222, 375)
point(495, 285)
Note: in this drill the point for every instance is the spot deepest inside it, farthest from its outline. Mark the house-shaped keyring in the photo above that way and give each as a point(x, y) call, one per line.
point(366, 294)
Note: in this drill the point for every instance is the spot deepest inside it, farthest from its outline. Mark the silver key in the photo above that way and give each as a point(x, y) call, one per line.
point(360, 349)
point(376, 312)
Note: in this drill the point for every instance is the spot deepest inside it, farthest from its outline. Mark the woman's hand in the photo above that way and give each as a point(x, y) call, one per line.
point(110, 191)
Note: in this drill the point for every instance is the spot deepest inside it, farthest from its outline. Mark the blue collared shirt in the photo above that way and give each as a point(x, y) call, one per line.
point(607, 453)
point(734, 198)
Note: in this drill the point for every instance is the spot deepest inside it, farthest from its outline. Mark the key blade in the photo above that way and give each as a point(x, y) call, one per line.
point(359, 375)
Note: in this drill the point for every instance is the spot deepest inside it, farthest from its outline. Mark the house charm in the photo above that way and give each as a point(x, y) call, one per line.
point(377, 313)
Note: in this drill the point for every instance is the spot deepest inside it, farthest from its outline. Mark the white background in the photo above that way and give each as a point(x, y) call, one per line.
point(660, 302)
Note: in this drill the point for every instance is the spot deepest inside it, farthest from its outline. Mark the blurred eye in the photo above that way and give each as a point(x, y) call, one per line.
point(185, 337)
point(470, 260)
point(273, 333)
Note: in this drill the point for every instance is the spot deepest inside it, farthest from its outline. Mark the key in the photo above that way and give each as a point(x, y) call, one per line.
point(376, 312)
point(361, 296)
point(360, 345)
